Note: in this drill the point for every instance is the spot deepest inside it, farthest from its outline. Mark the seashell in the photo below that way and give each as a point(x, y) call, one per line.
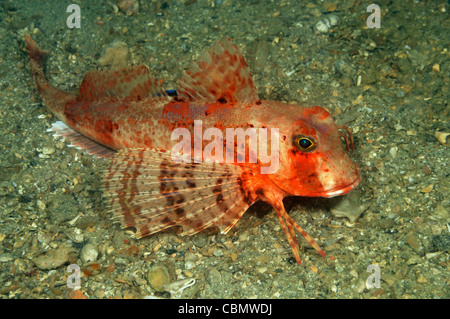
point(441, 137)
point(349, 206)
point(159, 278)
point(75, 234)
point(324, 25)
point(89, 253)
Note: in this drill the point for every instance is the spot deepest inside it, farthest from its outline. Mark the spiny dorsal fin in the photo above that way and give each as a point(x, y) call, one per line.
point(220, 74)
point(134, 82)
point(147, 190)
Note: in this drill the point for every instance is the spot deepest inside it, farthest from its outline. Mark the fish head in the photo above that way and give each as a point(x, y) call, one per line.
point(313, 161)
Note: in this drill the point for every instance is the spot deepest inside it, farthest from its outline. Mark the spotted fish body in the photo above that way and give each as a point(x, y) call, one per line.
point(126, 115)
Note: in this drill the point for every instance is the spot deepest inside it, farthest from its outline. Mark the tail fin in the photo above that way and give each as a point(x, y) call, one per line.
point(36, 62)
point(52, 97)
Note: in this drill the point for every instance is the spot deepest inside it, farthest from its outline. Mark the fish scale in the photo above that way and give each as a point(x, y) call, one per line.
point(125, 115)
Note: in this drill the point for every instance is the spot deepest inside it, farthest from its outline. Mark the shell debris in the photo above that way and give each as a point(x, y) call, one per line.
point(349, 206)
point(177, 287)
point(324, 25)
point(89, 253)
point(159, 278)
point(441, 137)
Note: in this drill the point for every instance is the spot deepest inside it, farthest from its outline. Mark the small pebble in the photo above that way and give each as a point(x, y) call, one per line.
point(344, 68)
point(5, 187)
point(400, 93)
point(427, 170)
point(48, 150)
point(421, 279)
point(218, 252)
point(44, 238)
point(413, 241)
point(413, 260)
point(427, 189)
point(190, 260)
point(54, 258)
point(442, 212)
point(433, 255)
point(213, 276)
point(393, 151)
point(389, 279)
point(78, 188)
point(41, 204)
point(129, 7)
point(5, 257)
point(360, 286)
point(436, 68)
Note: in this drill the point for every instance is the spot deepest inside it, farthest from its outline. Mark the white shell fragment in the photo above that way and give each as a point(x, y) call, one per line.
point(89, 253)
point(176, 288)
point(75, 234)
point(324, 25)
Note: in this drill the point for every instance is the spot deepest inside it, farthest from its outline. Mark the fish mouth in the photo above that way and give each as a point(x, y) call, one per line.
point(341, 190)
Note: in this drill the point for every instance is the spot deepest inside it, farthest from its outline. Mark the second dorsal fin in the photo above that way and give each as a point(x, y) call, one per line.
point(135, 82)
point(220, 74)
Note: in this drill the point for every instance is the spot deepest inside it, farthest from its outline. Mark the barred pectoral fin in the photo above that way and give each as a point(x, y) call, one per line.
point(147, 190)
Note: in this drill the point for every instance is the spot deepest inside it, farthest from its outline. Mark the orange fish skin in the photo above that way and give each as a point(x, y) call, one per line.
point(144, 118)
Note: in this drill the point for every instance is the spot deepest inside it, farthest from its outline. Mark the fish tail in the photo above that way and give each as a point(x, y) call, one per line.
point(53, 98)
point(36, 56)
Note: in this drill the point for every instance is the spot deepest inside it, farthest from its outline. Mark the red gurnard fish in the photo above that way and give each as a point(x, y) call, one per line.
point(126, 115)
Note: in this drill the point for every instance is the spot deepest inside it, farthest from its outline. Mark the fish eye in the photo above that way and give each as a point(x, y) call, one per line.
point(304, 144)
